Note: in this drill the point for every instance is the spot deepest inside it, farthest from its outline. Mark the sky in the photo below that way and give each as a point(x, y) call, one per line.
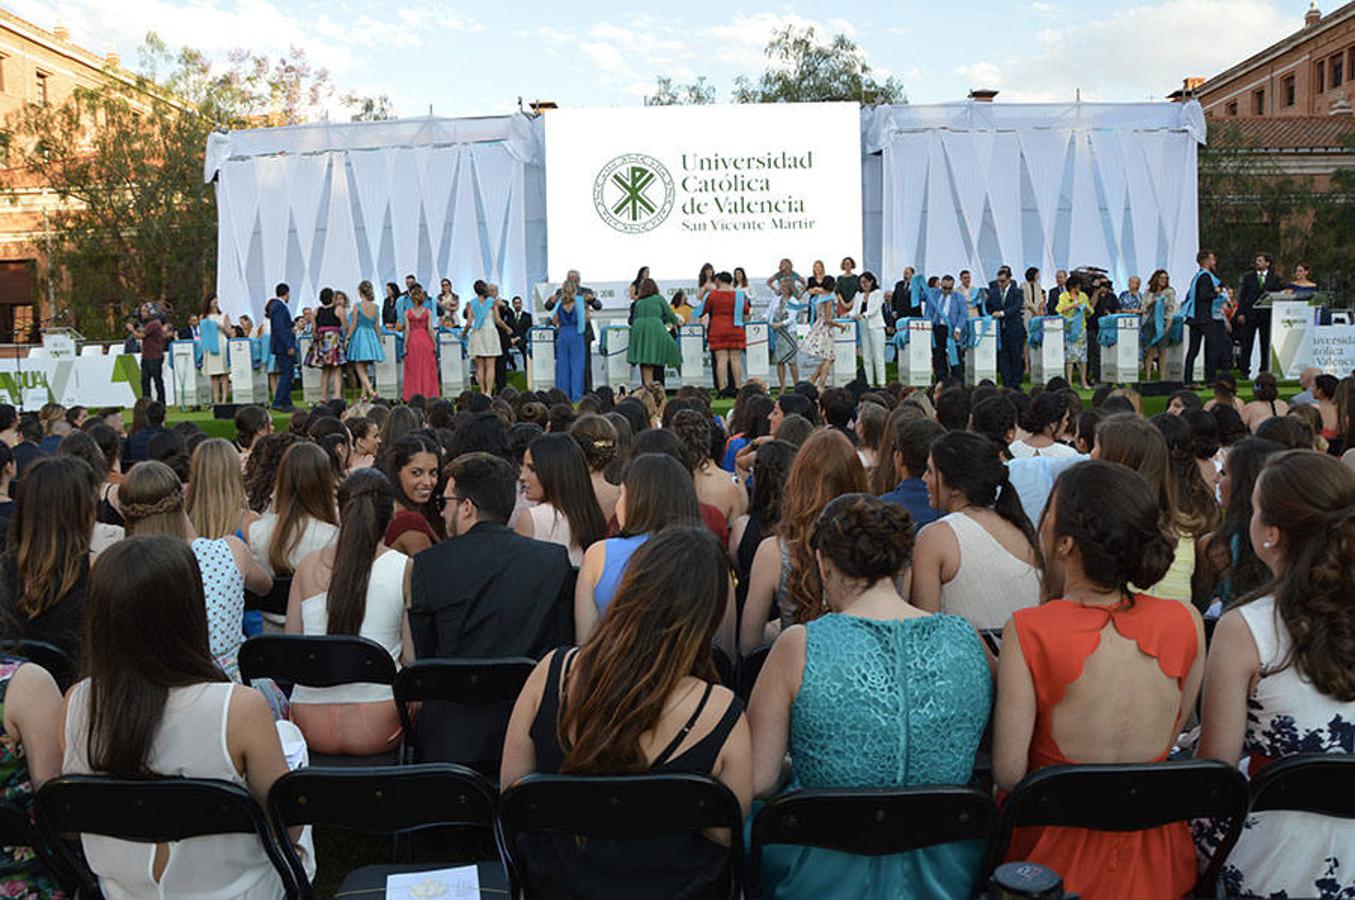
point(478, 58)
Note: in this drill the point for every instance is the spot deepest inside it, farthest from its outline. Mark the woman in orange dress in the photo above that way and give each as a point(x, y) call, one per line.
point(1099, 675)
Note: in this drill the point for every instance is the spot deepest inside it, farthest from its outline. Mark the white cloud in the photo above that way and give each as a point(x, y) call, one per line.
point(1044, 9)
point(1141, 50)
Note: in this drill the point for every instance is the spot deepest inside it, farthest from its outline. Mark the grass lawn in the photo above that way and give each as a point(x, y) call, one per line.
point(226, 428)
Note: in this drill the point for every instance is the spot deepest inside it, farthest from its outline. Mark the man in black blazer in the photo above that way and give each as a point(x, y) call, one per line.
point(519, 322)
point(1248, 321)
point(1005, 304)
point(485, 592)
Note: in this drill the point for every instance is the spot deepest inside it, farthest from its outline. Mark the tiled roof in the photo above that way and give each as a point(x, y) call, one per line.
point(1287, 132)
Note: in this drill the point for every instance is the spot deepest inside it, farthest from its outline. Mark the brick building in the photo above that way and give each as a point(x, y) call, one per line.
point(36, 67)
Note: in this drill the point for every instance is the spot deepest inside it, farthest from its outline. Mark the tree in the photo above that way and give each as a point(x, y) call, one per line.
point(698, 93)
point(368, 109)
point(135, 221)
point(804, 69)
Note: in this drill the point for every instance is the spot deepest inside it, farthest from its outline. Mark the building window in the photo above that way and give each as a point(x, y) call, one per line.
point(1288, 90)
point(41, 96)
point(1258, 102)
point(1231, 108)
point(1321, 79)
point(3, 60)
point(1338, 69)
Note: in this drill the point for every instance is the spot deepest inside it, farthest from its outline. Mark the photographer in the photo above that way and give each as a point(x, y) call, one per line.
point(155, 336)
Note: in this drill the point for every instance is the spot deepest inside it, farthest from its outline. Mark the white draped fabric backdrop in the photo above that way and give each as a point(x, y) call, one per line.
point(331, 205)
point(978, 185)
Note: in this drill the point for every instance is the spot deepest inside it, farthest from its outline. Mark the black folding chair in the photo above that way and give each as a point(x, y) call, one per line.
point(485, 689)
point(1130, 797)
point(148, 811)
point(390, 800)
point(1322, 783)
point(749, 669)
point(51, 657)
point(724, 667)
point(872, 822)
point(321, 661)
point(614, 808)
point(273, 602)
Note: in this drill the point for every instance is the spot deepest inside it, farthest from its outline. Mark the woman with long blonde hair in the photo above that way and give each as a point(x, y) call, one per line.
point(216, 499)
point(153, 503)
point(784, 572)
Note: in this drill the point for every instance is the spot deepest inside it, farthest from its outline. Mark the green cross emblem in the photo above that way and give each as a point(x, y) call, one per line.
point(633, 187)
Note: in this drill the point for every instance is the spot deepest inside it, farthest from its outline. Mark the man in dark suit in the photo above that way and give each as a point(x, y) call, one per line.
point(1004, 304)
point(1060, 279)
point(1249, 321)
point(519, 322)
point(282, 341)
point(485, 592)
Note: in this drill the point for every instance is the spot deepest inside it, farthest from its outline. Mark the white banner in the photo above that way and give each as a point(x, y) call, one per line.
point(674, 187)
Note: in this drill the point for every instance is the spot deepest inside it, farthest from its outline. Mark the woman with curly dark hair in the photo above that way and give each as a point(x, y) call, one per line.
point(876, 693)
point(261, 471)
point(1281, 673)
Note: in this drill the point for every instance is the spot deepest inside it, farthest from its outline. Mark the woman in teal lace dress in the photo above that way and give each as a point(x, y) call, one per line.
point(876, 693)
point(30, 753)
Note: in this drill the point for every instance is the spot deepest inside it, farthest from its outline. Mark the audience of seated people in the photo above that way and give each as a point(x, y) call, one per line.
point(458, 526)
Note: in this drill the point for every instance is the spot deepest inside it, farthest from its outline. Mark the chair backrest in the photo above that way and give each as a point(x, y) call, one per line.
point(51, 657)
point(323, 660)
point(724, 667)
point(1129, 797)
point(617, 807)
point(382, 800)
point(749, 669)
point(871, 821)
point(467, 682)
point(149, 811)
point(275, 601)
point(1322, 783)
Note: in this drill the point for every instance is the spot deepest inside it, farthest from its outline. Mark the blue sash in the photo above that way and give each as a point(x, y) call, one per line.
point(1107, 335)
point(902, 332)
point(1188, 308)
point(917, 290)
point(1177, 332)
point(952, 348)
point(1076, 324)
point(698, 308)
point(978, 329)
point(1035, 337)
point(480, 310)
point(1159, 321)
point(255, 352)
point(979, 297)
point(209, 336)
point(739, 299)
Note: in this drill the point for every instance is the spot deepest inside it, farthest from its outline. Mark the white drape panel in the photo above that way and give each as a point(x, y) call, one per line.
point(328, 206)
point(980, 185)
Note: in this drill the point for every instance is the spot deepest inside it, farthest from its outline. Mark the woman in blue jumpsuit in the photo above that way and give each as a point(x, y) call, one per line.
point(569, 321)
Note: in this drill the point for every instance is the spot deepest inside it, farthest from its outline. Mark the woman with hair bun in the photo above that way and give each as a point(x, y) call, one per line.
point(1281, 674)
point(979, 559)
point(1099, 675)
point(875, 694)
point(1045, 420)
point(597, 439)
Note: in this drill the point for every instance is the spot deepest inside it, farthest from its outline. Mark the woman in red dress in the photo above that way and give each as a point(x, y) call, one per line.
point(725, 338)
point(1099, 675)
point(421, 358)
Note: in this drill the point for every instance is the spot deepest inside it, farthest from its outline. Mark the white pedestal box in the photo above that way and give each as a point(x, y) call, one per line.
point(757, 362)
point(1120, 361)
point(915, 357)
point(451, 362)
point(243, 388)
point(541, 363)
point(389, 372)
point(1046, 360)
point(310, 375)
point(980, 357)
point(692, 343)
point(844, 346)
point(191, 387)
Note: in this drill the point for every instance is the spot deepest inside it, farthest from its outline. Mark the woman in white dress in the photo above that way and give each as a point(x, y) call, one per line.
point(214, 337)
point(977, 561)
point(483, 324)
point(1280, 679)
point(1044, 422)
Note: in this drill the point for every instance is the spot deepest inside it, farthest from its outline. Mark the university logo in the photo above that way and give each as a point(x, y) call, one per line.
point(634, 193)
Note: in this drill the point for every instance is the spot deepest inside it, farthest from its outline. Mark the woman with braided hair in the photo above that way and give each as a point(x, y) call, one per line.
point(1280, 679)
point(597, 438)
point(875, 693)
point(152, 499)
point(979, 559)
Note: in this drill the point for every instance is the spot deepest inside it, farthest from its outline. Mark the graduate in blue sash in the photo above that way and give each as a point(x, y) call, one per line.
point(1203, 310)
point(1075, 308)
point(1159, 306)
point(215, 328)
point(948, 311)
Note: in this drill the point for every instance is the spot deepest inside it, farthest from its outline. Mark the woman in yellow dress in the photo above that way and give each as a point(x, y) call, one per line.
point(1075, 308)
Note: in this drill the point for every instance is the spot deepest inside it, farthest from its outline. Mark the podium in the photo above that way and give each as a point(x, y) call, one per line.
point(190, 389)
point(1119, 359)
point(1292, 323)
point(541, 360)
point(757, 361)
point(615, 346)
point(844, 348)
point(692, 343)
point(241, 371)
point(1174, 351)
point(913, 351)
point(60, 343)
point(452, 362)
point(1047, 356)
point(310, 375)
point(980, 359)
point(388, 369)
